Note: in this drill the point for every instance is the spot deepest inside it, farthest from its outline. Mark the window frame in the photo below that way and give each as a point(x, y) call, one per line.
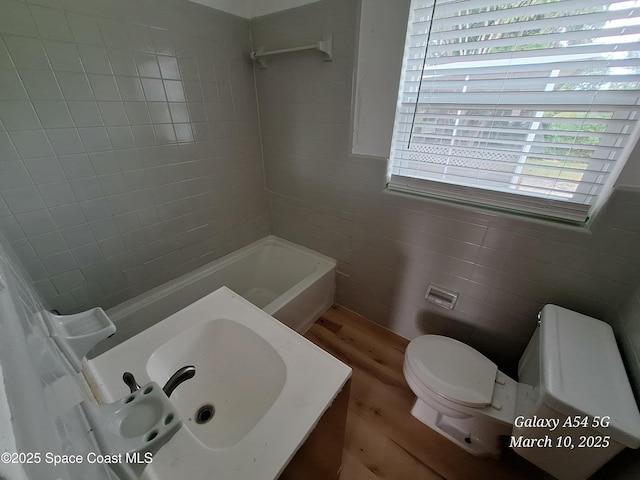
point(503, 201)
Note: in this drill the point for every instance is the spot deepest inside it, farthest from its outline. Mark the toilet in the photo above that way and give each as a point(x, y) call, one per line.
point(571, 410)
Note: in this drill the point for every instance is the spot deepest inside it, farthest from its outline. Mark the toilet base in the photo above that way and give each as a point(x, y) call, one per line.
point(473, 434)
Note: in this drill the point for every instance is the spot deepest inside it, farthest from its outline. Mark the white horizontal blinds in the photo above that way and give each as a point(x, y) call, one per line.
point(536, 98)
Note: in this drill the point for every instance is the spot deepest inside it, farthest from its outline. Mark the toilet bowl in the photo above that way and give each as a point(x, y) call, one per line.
point(463, 395)
point(460, 393)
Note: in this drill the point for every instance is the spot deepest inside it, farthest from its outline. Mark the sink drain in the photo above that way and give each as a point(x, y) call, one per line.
point(205, 413)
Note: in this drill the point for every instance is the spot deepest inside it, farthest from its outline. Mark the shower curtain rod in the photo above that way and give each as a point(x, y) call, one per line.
point(325, 46)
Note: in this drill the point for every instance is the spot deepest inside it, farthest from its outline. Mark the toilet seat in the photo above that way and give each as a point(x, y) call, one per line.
point(452, 369)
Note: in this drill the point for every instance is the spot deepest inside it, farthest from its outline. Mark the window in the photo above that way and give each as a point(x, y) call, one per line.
point(527, 105)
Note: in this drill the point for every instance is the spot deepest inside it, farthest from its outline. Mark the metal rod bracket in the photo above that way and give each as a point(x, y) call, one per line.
point(325, 46)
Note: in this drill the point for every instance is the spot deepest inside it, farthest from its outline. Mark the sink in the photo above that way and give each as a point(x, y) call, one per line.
point(238, 377)
point(259, 388)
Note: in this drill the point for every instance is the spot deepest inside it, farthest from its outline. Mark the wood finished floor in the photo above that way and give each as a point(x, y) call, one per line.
point(383, 440)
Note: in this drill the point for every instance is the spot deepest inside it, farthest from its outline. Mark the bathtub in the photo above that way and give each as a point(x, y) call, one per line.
point(291, 283)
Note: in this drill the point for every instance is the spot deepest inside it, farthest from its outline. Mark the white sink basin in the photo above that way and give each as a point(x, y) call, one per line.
point(237, 372)
point(267, 387)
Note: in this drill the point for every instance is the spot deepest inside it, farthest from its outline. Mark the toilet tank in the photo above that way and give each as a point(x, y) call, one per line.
point(575, 409)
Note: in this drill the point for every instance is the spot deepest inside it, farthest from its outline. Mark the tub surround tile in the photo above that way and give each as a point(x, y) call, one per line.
point(86, 131)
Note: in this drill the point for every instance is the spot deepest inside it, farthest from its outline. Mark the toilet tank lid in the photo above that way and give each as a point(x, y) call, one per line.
point(582, 373)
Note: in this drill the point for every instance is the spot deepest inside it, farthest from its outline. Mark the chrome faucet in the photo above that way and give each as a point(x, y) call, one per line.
point(183, 374)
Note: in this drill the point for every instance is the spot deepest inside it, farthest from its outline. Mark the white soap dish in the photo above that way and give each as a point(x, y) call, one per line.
point(76, 334)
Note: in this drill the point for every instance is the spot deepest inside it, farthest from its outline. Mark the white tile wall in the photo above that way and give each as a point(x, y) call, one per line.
point(626, 323)
point(125, 127)
point(625, 319)
point(390, 247)
point(42, 390)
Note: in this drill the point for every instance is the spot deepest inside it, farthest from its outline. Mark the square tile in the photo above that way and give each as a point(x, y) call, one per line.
point(169, 67)
point(162, 41)
point(140, 38)
point(96, 270)
point(114, 33)
point(113, 113)
point(206, 71)
point(5, 60)
point(27, 52)
point(138, 113)
point(74, 86)
point(40, 84)
point(188, 69)
point(84, 29)
point(179, 112)
point(7, 150)
point(22, 199)
point(68, 280)
point(129, 160)
point(63, 56)
point(143, 135)
point(18, 115)
point(159, 112)
point(24, 250)
point(16, 18)
point(77, 166)
point(31, 143)
point(165, 133)
point(56, 194)
point(104, 162)
point(4, 210)
point(95, 139)
point(130, 89)
point(13, 174)
point(121, 137)
point(65, 140)
point(95, 209)
point(10, 86)
point(59, 263)
point(147, 65)
point(48, 244)
point(36, 223)
point(200, 132)
point(184, 133)
point(112, 184)
point(11, 228)
point(174, 91)
point(121, 203)
point(85, 113)
point(122, 62)
point(87, 254)
point(94, 59)
point(103, 229)
point(86, 188)
point(197, 112)
point(192, 91)
point(78, 236)
point(68, 215)
point(104, 87)
point(53, 113)
point(127, 223)
point(51, 23)
point(44, 169)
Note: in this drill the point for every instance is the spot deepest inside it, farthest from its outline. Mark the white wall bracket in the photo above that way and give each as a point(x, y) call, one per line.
point(325, 46)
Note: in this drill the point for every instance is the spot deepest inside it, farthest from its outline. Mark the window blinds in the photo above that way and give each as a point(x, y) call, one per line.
point(537, 98)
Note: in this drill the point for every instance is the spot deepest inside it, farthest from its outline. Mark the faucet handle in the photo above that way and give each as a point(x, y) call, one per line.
point(130, 380)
